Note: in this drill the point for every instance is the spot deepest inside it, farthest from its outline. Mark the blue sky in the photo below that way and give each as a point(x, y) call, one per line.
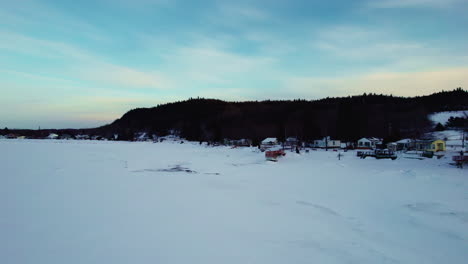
point(76, 64)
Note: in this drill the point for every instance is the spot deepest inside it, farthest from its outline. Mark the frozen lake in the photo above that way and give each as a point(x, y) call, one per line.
point(108, 202)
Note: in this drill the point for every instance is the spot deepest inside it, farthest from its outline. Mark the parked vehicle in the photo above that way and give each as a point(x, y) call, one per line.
point(272, 155)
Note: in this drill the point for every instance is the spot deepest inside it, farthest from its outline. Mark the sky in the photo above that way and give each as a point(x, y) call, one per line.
point(78, 64)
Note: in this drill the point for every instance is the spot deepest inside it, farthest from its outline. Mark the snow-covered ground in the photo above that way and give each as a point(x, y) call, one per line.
point(443, 117)
point(453, 138)
point(106, 202)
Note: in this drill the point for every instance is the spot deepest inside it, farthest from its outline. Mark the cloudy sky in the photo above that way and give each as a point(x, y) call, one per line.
point(67, 63)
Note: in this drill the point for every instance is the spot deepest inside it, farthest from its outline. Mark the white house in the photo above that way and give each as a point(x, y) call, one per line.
point(369, 143)
point(52, 136)
point(268, 143)
point(327, 142)
point(405, 144)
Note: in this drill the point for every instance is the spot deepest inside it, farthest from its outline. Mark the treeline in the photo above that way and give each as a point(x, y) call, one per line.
point(345, 118)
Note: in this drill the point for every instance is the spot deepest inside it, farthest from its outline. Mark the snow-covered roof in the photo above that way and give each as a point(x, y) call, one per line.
point(404, 141)
point(372, 139)
point(269, 140)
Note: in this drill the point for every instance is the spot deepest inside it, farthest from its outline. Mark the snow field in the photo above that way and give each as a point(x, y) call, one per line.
point(109, 202)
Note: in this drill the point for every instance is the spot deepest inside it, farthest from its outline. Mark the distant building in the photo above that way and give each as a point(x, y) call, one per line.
point(369, 143)
point(403, 144)
point(82, 137)
point(327, 142)
point(238, 142)
point(430, 145)
point(268, 143)
point(291, 143)
point(52, 136)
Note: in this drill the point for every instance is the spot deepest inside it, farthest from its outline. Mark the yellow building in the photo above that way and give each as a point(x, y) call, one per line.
point(431, 145)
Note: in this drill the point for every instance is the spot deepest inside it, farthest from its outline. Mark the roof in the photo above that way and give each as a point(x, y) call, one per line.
point(269, 140)
point(429, 140)
point(404, 141)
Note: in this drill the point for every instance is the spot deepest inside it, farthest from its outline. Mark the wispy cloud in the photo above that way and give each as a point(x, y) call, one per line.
point(244, 12)
point(396, 83)
point(81, 64)
point(413, 3)
point(356, 42)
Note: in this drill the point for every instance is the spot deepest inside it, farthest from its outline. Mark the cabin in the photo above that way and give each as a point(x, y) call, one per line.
point(405, 144)
point(430, 145)
point(327, 142)
point(369, 143)
point(401, 145)
point(291, 143)
point(268, 143)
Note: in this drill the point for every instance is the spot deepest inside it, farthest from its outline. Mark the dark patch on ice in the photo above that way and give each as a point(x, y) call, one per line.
point(176, 168)
point(322, 209)
point(212, 173)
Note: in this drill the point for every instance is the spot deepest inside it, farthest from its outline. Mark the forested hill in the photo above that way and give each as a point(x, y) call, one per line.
point(346, 118)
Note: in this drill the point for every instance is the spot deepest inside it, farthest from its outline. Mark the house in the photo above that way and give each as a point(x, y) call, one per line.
point(392, 146)
point(369, 143)
point(268, 143)
point(52, 136)
point(430, 145)
point(238, 142)
point(291, 143)
point(403, 144)
point(327, 142)
point(82, 137)
point(2, 137)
